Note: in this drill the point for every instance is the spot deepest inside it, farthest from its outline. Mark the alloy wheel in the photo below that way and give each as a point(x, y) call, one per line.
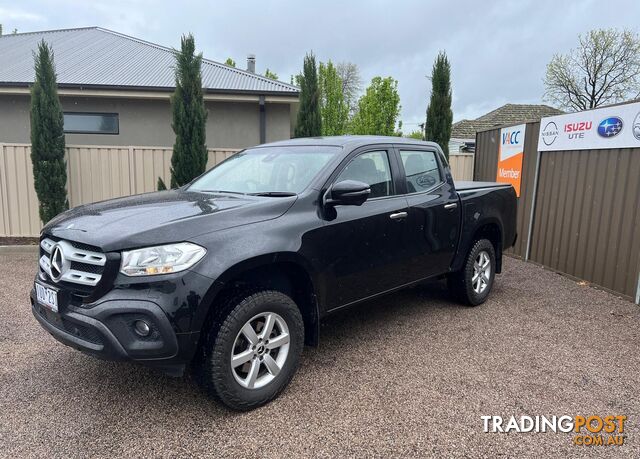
point(260, 350)
point(481, 272)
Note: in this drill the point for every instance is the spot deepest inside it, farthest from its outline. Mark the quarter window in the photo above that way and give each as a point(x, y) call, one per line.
point(91, 123)
point(371, 168)
point(421, 168)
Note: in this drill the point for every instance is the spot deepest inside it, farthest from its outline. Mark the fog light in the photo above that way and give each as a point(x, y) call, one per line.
point(142, 328)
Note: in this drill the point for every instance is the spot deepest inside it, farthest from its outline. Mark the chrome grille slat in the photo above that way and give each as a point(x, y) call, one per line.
point(79, 277)
point(90, 258)
point(72, 254)
point(44, 263)
point(47, 245)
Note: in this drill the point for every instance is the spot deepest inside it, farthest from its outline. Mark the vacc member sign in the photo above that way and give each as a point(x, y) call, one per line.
point(510, 156)
point(610, 127)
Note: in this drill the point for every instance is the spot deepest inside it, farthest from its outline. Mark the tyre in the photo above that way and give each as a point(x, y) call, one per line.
point(250, 354)
point(472, 284)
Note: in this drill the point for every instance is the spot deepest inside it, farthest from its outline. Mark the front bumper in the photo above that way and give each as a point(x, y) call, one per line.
point(107, 331)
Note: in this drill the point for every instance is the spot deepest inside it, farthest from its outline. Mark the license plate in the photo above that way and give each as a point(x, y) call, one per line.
point(47, 297)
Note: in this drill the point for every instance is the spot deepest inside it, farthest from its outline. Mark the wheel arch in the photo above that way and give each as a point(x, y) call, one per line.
point(284, 272)
point(491, 231)
point(489, 228)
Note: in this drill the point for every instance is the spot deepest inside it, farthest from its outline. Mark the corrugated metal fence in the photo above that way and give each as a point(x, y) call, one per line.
point(586, 221)
point(461, 166)
point(94, 174)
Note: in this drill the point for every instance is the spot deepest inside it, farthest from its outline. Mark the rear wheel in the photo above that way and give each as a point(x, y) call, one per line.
point(472, 284)
point(251, 356)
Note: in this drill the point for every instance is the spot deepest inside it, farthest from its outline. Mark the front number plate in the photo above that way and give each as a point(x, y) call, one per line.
point(47, 297)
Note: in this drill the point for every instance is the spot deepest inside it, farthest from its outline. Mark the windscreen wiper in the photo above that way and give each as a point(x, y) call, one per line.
point(220, 191)
point(276, 194)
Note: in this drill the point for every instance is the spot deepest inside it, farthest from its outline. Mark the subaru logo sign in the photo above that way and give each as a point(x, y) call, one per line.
point(610, 127)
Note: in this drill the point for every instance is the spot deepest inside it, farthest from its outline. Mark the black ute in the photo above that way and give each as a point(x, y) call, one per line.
point(233, 272)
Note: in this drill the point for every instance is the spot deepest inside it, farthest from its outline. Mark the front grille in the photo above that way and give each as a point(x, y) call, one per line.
point(59, 259)
point(73, 265)
point(81, 331)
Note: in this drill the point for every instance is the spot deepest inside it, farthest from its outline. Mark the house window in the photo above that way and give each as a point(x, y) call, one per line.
point(91, 123)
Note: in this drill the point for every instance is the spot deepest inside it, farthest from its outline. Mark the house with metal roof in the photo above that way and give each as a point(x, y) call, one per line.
point(463, 132)
point(115, 90)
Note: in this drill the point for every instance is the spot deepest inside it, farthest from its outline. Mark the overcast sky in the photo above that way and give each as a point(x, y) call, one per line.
point(498, 49)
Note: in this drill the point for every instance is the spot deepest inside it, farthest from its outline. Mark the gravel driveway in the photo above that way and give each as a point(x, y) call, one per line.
point(409, 374)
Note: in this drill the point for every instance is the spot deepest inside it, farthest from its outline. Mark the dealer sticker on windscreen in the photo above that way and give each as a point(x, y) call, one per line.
point(47, 297)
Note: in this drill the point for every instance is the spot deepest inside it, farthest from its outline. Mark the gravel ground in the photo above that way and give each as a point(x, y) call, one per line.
point(409, 374)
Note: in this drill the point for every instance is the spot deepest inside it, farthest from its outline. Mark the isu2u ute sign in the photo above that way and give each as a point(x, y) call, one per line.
point(510, 156)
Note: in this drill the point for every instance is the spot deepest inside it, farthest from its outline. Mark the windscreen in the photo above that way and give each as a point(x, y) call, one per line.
point(267, 170)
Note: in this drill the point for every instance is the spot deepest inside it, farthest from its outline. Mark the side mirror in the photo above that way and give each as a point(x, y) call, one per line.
point(348, 193)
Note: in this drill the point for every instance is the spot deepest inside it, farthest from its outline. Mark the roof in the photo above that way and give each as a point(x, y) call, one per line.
point(502, 116)
point(97, 57)
point(466, 129)
point(348, 141)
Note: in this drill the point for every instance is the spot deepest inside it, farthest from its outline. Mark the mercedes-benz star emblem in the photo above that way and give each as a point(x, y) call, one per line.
point(57, 263)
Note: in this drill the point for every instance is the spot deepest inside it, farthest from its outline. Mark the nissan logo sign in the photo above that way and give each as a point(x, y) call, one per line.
point(550, 133)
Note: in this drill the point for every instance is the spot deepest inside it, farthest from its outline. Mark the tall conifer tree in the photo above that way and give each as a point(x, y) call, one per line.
point(309, 122)
point(189, 158)
point(47, 137)
point(439, 114)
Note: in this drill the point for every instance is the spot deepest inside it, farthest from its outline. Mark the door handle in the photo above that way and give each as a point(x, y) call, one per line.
point(452, 205)
point(398, 215)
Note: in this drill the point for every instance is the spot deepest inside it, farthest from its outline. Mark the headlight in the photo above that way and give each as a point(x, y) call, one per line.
point(162, 259)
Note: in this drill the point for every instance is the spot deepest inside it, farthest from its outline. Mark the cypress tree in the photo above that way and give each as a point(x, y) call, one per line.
point(47, 137)
point(309, 122)
point(189, 158)
point(439, 114)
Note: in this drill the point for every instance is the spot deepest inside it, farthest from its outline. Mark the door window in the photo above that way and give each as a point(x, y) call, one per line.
point(373, 169)
point(421, 168)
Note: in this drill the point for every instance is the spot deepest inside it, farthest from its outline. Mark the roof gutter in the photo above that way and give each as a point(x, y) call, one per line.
point(147, 92)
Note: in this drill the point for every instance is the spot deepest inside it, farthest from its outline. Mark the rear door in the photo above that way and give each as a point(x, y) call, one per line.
point(434, 211)
point(365, 246)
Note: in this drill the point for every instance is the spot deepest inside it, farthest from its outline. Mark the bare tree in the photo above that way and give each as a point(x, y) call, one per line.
point(351, 84)
point(604, 69)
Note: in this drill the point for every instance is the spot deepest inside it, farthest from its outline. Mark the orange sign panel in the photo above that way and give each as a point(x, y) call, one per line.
point(510, 156)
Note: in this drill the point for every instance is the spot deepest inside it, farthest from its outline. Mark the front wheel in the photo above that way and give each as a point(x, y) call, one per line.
point(251, 356)
point(472, 284)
